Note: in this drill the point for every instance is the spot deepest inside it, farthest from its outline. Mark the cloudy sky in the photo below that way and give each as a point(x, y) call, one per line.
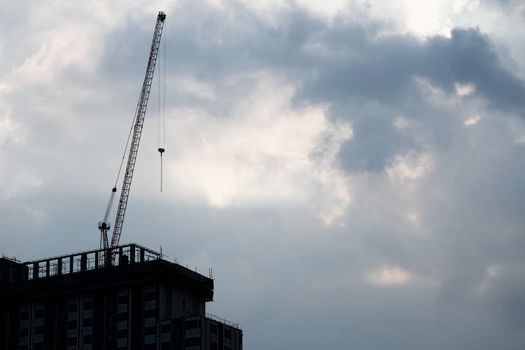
point(351, 170)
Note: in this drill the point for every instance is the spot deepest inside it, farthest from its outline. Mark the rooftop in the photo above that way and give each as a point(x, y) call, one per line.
point(95, 268)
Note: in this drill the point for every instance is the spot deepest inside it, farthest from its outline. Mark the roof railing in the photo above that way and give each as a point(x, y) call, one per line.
point(222, 320)
point(90, 260)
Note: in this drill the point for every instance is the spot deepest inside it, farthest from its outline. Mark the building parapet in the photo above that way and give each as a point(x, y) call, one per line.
point(89, 260)
point(222, 320)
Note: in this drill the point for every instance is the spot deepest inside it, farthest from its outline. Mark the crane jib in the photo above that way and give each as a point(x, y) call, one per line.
point(137, 132)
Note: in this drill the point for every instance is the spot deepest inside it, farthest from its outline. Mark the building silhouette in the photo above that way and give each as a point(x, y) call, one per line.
point(126, 297)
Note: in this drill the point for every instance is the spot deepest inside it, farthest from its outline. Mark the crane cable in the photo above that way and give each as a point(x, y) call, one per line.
point(131, 146)
point(160, 149)
point(104, 225)
point(161, 146)
point(126, 147)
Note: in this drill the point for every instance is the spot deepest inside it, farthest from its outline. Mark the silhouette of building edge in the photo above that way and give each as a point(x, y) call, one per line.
point(126, 297)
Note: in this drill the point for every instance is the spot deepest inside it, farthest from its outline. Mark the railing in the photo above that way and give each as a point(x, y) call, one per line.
point(187, 313)
point(222, 320)
point(13, 259)
point(90, 260)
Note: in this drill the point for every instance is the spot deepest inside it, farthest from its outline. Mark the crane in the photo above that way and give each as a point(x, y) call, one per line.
point(140, 113)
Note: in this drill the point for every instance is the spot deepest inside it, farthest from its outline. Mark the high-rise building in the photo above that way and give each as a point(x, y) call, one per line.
point(127, 297)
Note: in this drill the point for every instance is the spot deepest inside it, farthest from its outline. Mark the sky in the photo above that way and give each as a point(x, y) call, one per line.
point(352, 171)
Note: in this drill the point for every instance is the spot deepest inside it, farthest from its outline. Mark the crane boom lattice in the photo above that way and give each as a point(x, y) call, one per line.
point(137, 132)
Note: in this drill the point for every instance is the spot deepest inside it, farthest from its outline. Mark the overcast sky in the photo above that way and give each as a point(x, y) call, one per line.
point(351, 170)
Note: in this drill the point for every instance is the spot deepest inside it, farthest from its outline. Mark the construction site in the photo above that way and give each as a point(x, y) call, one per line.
point(119, 296)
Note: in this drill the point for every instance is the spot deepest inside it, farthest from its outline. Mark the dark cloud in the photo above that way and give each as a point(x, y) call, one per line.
point(468, 57)
point(365, 78)
point(381, 73)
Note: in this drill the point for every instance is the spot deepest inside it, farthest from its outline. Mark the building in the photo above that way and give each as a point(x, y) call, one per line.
point(124, 298)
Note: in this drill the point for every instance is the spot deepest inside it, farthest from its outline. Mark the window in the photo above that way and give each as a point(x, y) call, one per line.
point(122, 343)
point(193, 324)
point(87, 339)
point(214, 328)
point(24, 315)
point(150, 330)
point(88, 322)
point(122, 316)
point(72, 307)
point(88, 305)
point(149, 313)
point(123, 333)
point(72, 324)
point(150, 304)
point(39, 313)
point(192, 342)
point(150, 295)
point(227, 334)
point(149, 339)
point(24, 332)
point(71, 341)
point(39, 330)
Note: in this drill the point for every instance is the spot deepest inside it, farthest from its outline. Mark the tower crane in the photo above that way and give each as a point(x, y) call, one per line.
point(140, 113)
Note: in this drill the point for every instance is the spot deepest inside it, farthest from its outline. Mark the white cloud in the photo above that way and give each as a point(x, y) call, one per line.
point(16, 184)
point(7, 129)
point(491, 274)
point(388, 276)
point(413, 216)
point(326, 7)
point(463, 90)
point(332, 196)
point(194, 87)
point(470, 121)
point(60, 46)
point(434, 94)
point(421, 18)
point(264, 152)
point(401, 123)
point(410, 166)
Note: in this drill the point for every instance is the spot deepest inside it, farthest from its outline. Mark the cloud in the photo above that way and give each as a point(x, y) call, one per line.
point(472, 120)
point(388, 276)
point(464, 89)
point(353, 180)
point(503, 287)
point(410, 166)
point(265, 153)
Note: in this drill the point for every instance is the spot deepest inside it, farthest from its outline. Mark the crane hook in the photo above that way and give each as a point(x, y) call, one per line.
point(161, 151)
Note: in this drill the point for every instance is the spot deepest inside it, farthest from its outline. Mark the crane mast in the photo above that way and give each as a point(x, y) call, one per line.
point(137, 132)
